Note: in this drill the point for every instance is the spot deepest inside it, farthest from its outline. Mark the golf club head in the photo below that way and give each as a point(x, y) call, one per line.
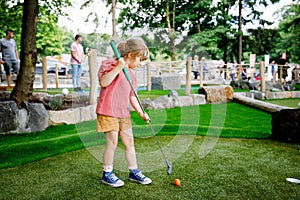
point(169, 167)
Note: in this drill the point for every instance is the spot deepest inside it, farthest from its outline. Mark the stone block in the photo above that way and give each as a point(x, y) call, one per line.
point(148, 104)
point(169, 81)
point(186, 101)
point(9, 120)
point(85, 114)
point(92, 109)
point(163, 102)
point(69, 116)
point(38, 117)
point(286, 125)
point(33, 117)
point(217, 94)
point(198, 99)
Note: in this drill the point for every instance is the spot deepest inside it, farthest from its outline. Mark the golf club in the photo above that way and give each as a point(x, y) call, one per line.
point(169, 164)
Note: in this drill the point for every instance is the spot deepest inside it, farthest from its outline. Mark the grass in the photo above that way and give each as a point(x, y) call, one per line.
point(237, 161)
point(293, 103)
point(225, 120)
point(233, 169)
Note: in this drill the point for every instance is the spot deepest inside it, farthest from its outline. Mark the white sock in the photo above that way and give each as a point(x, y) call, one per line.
point(132, 168)
point(107, 168)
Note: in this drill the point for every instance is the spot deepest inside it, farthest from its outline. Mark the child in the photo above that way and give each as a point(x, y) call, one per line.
point(113, 117)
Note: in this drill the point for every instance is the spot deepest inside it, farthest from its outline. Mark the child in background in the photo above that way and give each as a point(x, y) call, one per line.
point(113, 116)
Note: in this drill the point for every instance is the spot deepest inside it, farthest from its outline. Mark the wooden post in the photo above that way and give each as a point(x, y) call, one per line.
point(188, 76)
point(239, 72)
point(56, 75)
point(93, 68)
point(274, 76)
point(201, 74)
point(280, 74)
point(157, 69)
point(148, 76)
point(262, 77)
point(44, 73)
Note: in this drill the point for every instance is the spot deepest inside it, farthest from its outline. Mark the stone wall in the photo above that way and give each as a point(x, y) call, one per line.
point(173, 100)
point(73, 115)
point(33, 117)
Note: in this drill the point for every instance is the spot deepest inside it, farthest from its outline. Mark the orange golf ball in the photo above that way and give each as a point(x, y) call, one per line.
point(177, 182)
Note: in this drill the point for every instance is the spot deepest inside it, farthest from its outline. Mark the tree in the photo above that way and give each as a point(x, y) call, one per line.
point(28, 56)
point(49, 37)
point(261, 42)
point(289, 29)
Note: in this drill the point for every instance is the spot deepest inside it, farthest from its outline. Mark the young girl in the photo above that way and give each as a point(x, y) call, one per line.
point(113, 117)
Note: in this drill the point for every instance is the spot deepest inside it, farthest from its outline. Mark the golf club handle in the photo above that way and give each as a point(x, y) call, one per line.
point(116, 52)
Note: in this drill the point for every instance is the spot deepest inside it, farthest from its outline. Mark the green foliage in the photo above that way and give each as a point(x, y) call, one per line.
point(55, 103)
point(209, 27)
point(261, 42)
point(289, 29)
point(49, 36)
point(11, 18)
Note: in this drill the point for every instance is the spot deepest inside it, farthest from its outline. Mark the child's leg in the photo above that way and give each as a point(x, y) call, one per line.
point(109, 152)
point(134, 173)
point(128, 142)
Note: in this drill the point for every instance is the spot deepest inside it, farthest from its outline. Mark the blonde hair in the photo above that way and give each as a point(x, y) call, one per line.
point(136, 46)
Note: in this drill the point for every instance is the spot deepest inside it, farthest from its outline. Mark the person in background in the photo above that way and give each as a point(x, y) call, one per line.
point(204, 67)
point(10, 58)
point(282, 63)
point(273, 67)
point(77, 56)
point(195, 66)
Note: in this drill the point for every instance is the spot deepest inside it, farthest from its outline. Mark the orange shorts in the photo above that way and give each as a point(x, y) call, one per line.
point(107, 123)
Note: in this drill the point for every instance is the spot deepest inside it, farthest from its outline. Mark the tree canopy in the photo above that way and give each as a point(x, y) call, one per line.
point(289, 29)
point(49, 35)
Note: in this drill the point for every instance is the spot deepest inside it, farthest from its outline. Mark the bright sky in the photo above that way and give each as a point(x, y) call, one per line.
point(76, 22)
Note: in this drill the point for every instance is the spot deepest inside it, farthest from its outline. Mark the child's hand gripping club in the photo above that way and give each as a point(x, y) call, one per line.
point(121, 62)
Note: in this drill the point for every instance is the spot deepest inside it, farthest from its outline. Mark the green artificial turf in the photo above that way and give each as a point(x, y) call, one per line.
point(291, 102)
point(229, 120)
point(232, 169)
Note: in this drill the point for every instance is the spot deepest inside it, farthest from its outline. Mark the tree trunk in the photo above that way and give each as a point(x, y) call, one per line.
point(261, 105)
point(171, 30)
point(28, 56)
point(240, 32)
point(113, 11)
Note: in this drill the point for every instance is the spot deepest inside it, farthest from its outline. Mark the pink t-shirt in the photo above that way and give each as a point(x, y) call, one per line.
point(78, 49)
point(115, 98)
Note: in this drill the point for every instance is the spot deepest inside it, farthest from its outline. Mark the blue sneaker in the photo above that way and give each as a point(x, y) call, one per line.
point(109, 178)
point(137, 176)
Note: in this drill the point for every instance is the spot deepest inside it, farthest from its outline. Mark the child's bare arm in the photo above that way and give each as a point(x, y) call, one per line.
point(107, 78)
point(136, 106)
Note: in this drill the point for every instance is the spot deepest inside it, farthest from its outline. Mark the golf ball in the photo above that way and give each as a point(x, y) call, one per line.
point(177, 182)
point(65, 91)
point(299, 104)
